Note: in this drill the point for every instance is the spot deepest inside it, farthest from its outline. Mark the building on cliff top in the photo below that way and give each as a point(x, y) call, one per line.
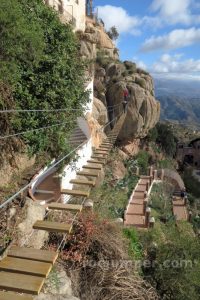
point(70, 11)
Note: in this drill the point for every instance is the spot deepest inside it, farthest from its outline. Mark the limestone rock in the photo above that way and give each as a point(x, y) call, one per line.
point(99, 112)
point(34, 212)
point(57, 287)
point(118, 169)
point(143, 109)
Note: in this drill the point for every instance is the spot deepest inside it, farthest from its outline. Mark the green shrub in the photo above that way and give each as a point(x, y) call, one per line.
point(135, 248)
point(141, 82)
point(41, 65)
point(166, 139)
point(143, 161)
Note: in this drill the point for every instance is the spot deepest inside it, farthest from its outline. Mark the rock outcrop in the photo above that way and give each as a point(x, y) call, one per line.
point(143, 110)
point(94, 39)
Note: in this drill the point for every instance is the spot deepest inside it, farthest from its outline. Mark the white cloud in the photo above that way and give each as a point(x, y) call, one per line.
point(173, 11)
point(174, 65)
point(118, 17)
point(177, 38)
point(140, 63)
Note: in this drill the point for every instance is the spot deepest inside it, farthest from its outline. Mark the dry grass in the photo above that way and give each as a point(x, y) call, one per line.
point(103, 272)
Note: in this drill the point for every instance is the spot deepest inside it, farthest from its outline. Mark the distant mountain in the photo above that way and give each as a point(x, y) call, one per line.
point(180, 100)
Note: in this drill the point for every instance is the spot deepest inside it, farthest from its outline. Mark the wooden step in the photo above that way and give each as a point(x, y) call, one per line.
point(62, 206)
point(53, 226)
point(95, 162)
point(33, 254)
point(75, 192)
point(100, 157)
point(87, 173)
point(45, 192)
point(103, 149)
point(21, 283)
point(14, 296)
point(106, 144)
point(93, 167)
point(96, 152)
point(25, 266)
point(83, 182)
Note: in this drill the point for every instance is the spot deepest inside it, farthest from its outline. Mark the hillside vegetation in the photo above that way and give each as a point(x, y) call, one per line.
point(40, 69)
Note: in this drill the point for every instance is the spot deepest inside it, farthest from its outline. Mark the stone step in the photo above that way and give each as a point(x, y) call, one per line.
point(53, 226)
point(62, 206)
point(21, 283)
point(25, 266)
point(136, 200)
point(33, 254)
point(83, 182)
point(134, 220)
point(135, 209)
point(75, 192)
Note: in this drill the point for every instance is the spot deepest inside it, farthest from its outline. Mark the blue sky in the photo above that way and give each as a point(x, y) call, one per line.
point(162, 36)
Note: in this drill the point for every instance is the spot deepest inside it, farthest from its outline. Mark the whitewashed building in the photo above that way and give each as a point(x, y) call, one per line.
point(70, 11)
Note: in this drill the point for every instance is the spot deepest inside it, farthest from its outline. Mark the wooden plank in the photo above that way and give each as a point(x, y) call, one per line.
point(75, 192)
point(86, 173)
point(104, 153)
point(62, 206)
point(106, 149)
point(53, 226)
point(93, 167)
point(21, 283)
point(33, 254)
point(14, 296)
point(100, 157)
point(45, 192)
point(95, 162)
point(83, 182)
point(25, 266)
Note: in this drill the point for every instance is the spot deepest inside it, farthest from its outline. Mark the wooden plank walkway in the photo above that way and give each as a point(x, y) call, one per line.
point(24, 270)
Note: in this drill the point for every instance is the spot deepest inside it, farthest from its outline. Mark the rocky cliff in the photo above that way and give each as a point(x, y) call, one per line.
point(111, 77)
point(143, 110)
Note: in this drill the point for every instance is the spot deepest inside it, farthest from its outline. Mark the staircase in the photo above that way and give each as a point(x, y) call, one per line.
point(24, 270)
point(135, 214)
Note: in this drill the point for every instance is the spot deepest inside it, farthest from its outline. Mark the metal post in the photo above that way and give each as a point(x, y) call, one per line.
point(147, 216)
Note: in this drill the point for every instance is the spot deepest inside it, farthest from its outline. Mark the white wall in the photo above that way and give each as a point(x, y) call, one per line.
point(69, 171)
point(69, 9)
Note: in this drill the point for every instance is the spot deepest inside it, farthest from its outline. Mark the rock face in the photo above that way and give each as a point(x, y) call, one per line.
point(143, 110)
point(57, 287)
point(34, 212)
point(94, 39)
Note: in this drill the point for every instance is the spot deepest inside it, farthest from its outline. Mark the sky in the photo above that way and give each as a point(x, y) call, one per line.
point(161, 36)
